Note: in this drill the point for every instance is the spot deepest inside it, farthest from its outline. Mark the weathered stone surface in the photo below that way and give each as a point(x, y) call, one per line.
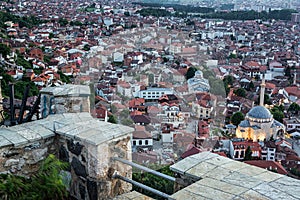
point(74, 148)
point(63, 154)
point(38, 155)
point(21, 163)
point(82, 191)
point(78, 168)
point(92, 190)
point(11, 162)
point(11, 153)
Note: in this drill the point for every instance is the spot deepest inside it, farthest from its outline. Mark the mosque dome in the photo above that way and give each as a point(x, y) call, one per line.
point(259, 113)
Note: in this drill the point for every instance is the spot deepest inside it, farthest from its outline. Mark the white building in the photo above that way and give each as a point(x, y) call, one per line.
point(154, 93)
point(198, 83)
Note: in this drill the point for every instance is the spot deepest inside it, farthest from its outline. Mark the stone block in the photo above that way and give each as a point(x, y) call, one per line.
point(78, 168)
point(92, 190)
point(74, 148)
point(63, 154)
point(11, 162)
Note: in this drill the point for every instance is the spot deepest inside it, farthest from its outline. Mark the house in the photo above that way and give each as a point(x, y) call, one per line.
point(268, 151)
point(141, 119)
point(124, 88)
point(37, 54)
point(292, 124)
point(100, 113)
point(292, 93)
point(203, 129)
point(154, 93)
point(141, 139)
point(137, 104)
point(253, 68)
point(118, 57)
point(203, 106)
point(241, 146)
point(269, 165)
point(167, 133)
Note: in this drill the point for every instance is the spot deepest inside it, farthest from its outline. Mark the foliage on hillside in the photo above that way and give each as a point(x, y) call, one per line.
point(25, 21)
point(284, 14)
point(46, 184)
point(155, 182)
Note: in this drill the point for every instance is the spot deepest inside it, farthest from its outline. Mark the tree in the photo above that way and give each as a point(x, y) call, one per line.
point(248, 154)
point(86, 47)
point(112, 119)
point(4, 50)
point(251, 86)
point(241, 92)
point(266, 99)
point(236, 118)
point(46, 184)
point(190, 73)
point(63, 21)
point(294, 108)
point(277, 113)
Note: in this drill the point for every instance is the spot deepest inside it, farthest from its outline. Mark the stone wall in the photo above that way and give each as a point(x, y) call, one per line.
point(86, 143)
point(25, 159)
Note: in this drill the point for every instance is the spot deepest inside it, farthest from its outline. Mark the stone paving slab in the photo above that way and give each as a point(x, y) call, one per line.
point(220, 185)
point(208, 192)
point(12, 137)
point(272, 192)
point(187, 195)
point(251, 170)
point(251, 195)
point(201, 169)
point(266, 176)
point(219, 173)
point(4, 142)
point(288, 185)
point(242, 180)
point(81, 125)
point(185, 165)
point(228, 179)
point(132, 196)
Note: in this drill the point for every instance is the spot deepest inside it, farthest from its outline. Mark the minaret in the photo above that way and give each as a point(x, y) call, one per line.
point(295, 78)
point(262, 91)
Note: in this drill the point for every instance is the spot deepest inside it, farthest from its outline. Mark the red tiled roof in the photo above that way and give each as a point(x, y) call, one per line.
point(192, 151)
point(270, 165)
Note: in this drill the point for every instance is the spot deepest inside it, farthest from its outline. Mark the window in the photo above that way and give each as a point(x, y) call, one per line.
point(146, 142)
point(140, 142)
point(134, 143)
point(236, 154)
point(242, 154)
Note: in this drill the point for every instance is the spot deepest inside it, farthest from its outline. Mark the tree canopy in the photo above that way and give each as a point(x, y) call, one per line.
point(248, 154)
point(294, 108)
point(190, 73)
point(236, 118)
point(241, 92)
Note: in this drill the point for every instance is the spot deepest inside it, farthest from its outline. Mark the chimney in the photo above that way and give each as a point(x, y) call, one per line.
point(262, 90)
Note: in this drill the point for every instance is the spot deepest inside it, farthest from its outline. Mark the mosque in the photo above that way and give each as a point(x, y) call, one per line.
point(259, 123)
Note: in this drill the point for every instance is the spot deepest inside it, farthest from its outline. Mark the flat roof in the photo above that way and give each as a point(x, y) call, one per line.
point(224, 178)
point(79, 126)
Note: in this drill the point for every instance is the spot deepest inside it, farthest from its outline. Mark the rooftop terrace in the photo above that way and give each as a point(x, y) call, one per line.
point(224, 178)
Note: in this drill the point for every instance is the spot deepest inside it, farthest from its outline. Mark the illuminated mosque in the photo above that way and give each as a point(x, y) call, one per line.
point(259, 123)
